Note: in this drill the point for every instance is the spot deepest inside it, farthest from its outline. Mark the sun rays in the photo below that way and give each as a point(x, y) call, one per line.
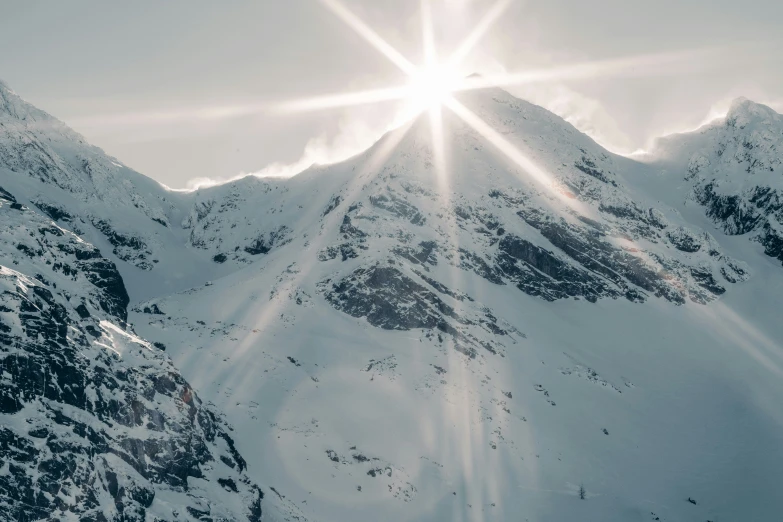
point(424, 86)
point(430, 86)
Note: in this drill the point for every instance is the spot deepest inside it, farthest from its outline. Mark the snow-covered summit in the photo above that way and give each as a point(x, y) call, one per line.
point(12, 105)
point(743, 112)
point(735, 166)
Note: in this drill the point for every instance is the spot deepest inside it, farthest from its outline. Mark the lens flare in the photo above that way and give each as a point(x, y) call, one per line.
point(432, 86)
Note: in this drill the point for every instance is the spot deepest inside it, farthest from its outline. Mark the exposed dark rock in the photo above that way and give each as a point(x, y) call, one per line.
point(684, 240)
point(589, 167)
point(82, 311)
point(333, 204)
point(117, 239)
point(345, 251)
point(126, 247)
point(152, 309)
point(228, 484)
point(350, 231)
point(103, 274)
point(611, 263)
point(734, 213)
point(263, 244)
point(54, 212)
point(443, 289)
point(424, 255)
point(772, 240)
point(539, 272)
point(100, 425)
point(389, 300)
point(472, 261)
point(399, 207)
point(634, 213)
point(7, 195)
point(758, 209)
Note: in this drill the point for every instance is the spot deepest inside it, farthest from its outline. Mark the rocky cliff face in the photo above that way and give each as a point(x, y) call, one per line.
point(96, 424)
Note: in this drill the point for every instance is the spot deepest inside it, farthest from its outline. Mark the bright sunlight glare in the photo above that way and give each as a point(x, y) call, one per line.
point(431, 86)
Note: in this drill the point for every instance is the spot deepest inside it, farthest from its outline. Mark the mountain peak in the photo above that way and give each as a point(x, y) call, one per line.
point(13, 105)
point(5, 88)
point(744, 111)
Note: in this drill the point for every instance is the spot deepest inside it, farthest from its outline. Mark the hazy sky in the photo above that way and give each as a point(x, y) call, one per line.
point(149, 81)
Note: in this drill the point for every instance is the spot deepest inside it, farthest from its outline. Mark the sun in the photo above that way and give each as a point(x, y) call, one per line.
point(431, 86)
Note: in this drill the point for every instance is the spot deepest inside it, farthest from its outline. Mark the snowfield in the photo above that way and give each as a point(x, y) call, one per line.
point(383, 341)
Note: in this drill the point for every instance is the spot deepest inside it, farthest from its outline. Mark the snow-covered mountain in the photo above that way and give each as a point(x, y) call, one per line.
point(391, 342)
point(735, 165)
point(96, 423)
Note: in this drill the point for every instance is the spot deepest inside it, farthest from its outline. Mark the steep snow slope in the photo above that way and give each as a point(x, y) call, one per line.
point(390, 342)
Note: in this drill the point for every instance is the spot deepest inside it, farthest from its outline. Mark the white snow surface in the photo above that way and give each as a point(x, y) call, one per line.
point(644, 404)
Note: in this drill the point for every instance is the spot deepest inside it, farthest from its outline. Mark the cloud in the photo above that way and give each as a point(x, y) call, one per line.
point(587, 114)
point(717, 111)
point(357, 130)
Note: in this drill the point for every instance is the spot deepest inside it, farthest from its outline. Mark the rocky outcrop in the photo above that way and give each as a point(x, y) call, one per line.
point(390, 299)
point(736, 167)
point(127, 247)
point(95, 423)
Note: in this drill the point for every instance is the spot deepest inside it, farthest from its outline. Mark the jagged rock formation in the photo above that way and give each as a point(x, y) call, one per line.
point(95, 423)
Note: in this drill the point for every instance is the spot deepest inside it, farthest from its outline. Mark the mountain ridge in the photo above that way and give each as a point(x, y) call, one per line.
point(735, 167)
point(389, 343)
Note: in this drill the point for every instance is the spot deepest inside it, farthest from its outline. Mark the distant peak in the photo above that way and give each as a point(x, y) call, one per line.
point(743, 111)
point(13, 105)
point(10, 102)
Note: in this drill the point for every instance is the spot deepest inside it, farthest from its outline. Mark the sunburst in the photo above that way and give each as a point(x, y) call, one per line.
point(431, 86)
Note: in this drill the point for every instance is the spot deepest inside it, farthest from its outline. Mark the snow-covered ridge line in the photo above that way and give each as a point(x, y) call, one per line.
point(389, 344)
